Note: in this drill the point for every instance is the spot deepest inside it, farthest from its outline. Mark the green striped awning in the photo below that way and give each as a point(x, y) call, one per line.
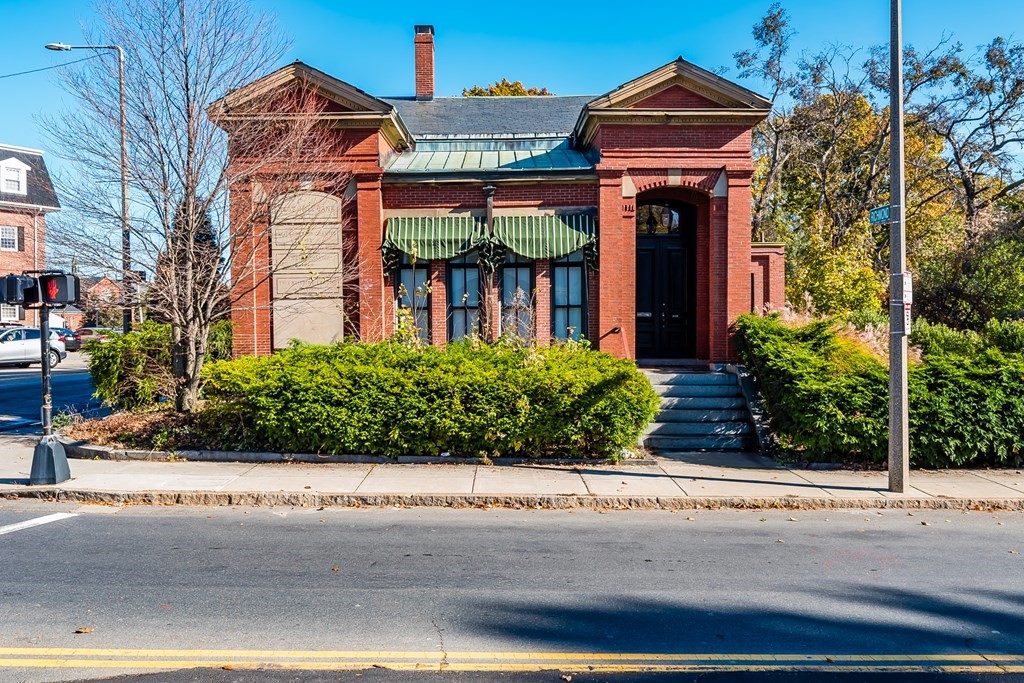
point(432, 237)
point(545, 237)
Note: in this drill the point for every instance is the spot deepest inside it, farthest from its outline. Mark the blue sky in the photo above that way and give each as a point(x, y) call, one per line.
point(577, 48)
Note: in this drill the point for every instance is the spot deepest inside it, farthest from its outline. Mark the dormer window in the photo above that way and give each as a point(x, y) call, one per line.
point(13, 176)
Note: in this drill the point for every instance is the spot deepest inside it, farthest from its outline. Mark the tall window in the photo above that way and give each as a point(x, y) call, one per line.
point(13, 180)
point(517, 296)
point(568, 297)
point(463, 297)
point(413, 293)
point(8, 238)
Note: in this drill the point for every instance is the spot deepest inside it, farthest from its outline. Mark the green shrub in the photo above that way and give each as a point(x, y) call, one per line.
point(394, 400)
point(935, 338)
point(867, 316)
point(1005, 335)
point(133, 370)
point(828, 397)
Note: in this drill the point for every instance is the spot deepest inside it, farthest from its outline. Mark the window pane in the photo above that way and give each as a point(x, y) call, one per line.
point(472, 287)
point(458, 324)
point(423, 324)
point(561, 287)
point(508, 286)
point(576, 322)
point(561, 322)
point(575, 286)
point(457, 292)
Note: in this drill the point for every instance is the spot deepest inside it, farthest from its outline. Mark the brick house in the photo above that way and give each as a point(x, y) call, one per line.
point(26, 196)
point(624, 218)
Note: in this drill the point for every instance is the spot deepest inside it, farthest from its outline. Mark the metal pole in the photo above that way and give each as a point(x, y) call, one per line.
point(899, 432)
point(44, 333)
point(49, 462)
point(126, 234)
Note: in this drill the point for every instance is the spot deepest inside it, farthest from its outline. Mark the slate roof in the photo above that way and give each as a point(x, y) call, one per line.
point(40, 187)
point(489, 116)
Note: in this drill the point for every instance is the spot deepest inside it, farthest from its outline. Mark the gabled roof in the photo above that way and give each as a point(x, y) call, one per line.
point(39, 190)
point(340, 92)
point(687, 75)
point(461, 117)
point(356, 108)
point(734, 104)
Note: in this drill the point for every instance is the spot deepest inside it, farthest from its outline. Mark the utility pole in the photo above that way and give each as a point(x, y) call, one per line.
point(900, 295)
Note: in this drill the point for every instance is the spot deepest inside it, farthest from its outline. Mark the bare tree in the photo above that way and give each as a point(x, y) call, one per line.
point(189, 149)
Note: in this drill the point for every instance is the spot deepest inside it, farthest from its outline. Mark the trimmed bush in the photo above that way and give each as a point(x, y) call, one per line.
point(389, 399)
point(133, 370)
point(828, 396)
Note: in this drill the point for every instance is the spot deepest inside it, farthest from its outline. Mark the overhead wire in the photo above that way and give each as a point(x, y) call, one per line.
point(47, 68)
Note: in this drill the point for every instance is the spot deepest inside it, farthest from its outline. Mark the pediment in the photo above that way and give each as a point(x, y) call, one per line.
point(14, 162)
point(340, 95)
point(681, 85)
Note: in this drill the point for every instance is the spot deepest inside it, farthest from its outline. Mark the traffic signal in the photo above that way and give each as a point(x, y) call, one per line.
point(18, 289)
point(59, 288)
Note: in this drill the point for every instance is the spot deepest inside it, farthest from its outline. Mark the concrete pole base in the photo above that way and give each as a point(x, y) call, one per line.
point(49, 463)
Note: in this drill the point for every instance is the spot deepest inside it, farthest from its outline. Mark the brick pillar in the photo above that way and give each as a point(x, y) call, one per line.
point(376, 305)
point(616, 305)
point(439, 303)
point(718, 280)
point(738, 239)
point(250, 281)
point(542, 301)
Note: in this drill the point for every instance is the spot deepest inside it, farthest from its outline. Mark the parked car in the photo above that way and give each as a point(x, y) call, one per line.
point(72, 340)
point(100, 334)
point(20, 347)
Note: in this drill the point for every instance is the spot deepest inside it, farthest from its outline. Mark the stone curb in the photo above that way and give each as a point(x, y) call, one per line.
point(516, 501)
point(87, 452)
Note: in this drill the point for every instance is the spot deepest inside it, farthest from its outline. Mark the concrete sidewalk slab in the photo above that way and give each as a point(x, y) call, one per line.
point(685, 481)
point(526, 480)
point(300, 477)
point(434, 479)
point(630, 481)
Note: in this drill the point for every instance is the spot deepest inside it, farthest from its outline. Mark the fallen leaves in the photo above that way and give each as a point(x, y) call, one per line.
point(84, 629)
point(335, 569)
point(1015, 552)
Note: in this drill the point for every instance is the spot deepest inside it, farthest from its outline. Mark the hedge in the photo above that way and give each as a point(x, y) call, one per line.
point(828, 396)
point(133, 370)
point(468, 400)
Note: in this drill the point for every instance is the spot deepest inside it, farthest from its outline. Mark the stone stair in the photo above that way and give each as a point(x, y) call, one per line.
point(700, 410)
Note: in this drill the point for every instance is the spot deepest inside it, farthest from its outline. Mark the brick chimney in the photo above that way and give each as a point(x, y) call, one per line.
point(424, 62)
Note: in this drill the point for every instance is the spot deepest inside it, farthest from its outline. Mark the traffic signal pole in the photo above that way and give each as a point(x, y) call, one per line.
point(899, 283)
point(49, 461)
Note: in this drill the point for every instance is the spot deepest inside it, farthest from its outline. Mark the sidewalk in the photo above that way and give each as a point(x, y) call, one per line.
point(699, 480)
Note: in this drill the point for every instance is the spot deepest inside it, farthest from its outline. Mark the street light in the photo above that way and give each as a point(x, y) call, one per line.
point(126, 235)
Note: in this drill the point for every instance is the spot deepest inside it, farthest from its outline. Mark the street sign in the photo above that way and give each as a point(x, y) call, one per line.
point(879, 215)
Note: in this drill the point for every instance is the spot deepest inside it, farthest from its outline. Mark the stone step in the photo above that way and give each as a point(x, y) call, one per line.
point(691, 378)
point(703, 403)
point(696, 443)
point(695, 390)
point(698, 428)
point(702, 415)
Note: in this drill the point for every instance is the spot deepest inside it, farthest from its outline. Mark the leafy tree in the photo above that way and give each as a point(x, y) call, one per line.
point(505, 88)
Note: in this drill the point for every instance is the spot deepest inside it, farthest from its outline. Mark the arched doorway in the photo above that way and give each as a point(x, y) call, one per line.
point(666, 279)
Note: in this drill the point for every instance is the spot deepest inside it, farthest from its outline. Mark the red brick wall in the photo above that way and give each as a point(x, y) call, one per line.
point(639, 146)
point(471, 196)
point(675, 97)
point(31, 253)
point(768, 265)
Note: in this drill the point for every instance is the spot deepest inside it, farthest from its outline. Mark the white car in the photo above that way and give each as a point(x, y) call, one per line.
point(20, 347)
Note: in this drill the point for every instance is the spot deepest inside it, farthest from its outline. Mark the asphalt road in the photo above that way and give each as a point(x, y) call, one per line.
point(20, 391)
point(843, 595)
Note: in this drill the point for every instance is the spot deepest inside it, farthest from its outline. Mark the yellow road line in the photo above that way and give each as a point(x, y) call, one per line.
point(484, 667)
point(514, 656)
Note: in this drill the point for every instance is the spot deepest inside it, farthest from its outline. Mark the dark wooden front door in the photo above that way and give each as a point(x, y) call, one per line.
point(665, 297)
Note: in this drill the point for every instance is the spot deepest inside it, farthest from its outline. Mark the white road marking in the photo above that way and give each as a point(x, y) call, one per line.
point(28, 524)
